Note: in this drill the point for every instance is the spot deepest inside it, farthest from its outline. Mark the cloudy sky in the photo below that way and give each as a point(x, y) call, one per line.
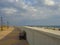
point(30, 12)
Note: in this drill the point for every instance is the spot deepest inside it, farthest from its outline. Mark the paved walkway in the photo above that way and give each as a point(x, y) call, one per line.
point(13, 39)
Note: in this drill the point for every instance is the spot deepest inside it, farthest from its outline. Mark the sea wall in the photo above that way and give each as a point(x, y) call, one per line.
point(40, 36)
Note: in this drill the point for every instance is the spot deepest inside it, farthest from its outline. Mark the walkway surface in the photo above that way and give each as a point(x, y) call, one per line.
point(13, 39)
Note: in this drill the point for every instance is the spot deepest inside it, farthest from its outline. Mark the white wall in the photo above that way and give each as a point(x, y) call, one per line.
point(35, 37)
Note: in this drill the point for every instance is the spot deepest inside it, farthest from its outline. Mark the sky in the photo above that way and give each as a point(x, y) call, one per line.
point(30, 12)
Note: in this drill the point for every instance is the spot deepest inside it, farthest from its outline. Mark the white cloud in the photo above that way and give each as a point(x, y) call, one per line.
point(11, 0)
point(9, 10)
point(32, 9)
point(49, 2)
point(23, 5)
point(17, 0)
point(37, 12)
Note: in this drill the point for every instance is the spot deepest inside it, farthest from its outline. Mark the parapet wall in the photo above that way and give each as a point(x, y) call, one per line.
point(40, 36)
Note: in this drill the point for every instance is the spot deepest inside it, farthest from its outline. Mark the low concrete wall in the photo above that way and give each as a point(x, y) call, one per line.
point(36, 37)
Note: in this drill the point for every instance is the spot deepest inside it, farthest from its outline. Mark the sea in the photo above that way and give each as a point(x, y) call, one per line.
point(47, 26)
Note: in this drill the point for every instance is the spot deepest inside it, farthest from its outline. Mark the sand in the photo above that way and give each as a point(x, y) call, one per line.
point(5, 32)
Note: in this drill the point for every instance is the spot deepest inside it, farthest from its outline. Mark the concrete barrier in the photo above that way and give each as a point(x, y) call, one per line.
point(39, 36)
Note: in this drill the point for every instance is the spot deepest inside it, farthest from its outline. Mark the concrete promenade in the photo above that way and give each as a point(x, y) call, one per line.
point(12, 38)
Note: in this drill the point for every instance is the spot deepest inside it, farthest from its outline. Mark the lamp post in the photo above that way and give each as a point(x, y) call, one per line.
point(7, 24)
point(1, 23)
